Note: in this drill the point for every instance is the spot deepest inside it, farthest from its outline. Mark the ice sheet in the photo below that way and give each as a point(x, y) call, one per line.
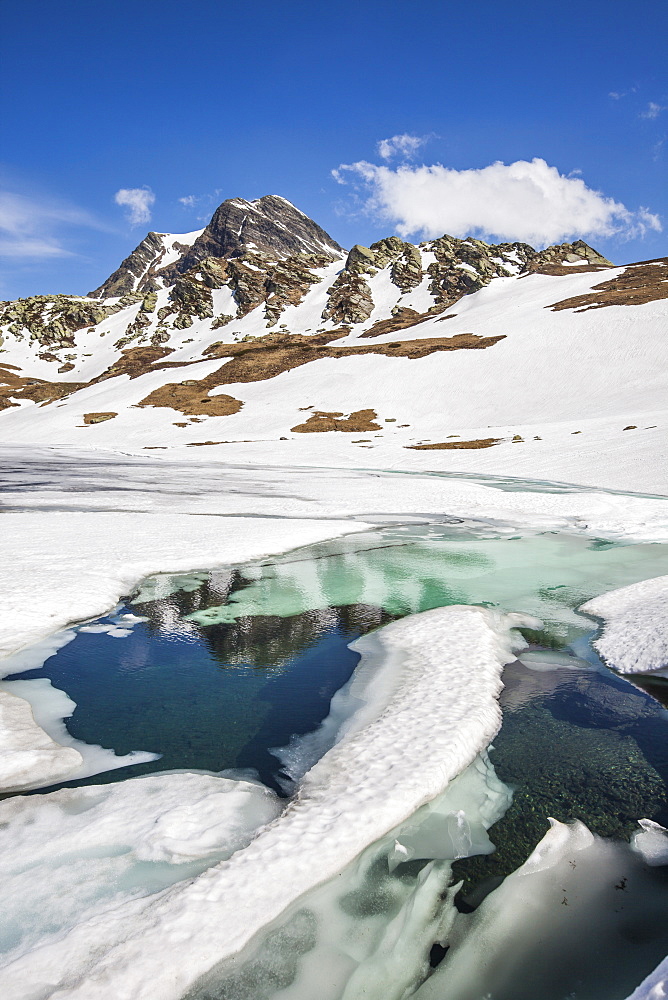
point(424, 724)
point(68, 856)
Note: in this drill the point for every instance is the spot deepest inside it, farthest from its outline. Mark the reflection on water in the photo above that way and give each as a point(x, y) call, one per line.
point(218, 668)
point(227, 664)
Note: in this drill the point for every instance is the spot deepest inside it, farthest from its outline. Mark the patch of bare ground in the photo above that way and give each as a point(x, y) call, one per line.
point(448, 445)
point(98, 418)
point(358, 422)
point(263, 358)
point(136, 361)
point(191, 398)
point(646, 281)
point(401, 320)
point(15, 387)
point(202, 444)
point(269, 356)
point(560, 270)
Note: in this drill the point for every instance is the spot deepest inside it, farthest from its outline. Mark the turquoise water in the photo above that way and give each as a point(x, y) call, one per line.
point(218, 669)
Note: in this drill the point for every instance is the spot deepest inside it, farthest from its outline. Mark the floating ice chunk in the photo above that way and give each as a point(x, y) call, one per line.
point(455, 825)
point(69, 855)
point(550, 659)
point(651, 843)
point(635, 633)
point(583, 916)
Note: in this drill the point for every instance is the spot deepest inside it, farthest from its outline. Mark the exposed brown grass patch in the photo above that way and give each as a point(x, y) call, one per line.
point(274, 354)
point(561, 270)
point(99, 418)
point(401, 320)
point(16, 387)
point(135, 361)
point(450, 445)
point(638, 283)
point(192, 399)
point(359, 422)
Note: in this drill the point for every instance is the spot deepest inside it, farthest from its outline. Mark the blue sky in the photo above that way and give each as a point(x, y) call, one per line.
point(214, 100)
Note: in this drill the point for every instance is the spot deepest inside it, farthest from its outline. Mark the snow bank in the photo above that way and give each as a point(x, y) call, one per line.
point(635, 633)
point(655, 986)
point(424, 723)
point(36, 746)
point(69, 855)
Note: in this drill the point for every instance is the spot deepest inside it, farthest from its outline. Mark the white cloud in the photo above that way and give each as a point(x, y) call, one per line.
point(525, 201)
point(401, 145)
point(653, 110)
point(189, 201)
point(138, 201)
point(29, 227)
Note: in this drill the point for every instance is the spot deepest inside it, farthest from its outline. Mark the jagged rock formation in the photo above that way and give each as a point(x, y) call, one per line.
point(136, 271)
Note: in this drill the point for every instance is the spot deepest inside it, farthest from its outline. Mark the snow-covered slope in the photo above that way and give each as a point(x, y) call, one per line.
point(258, 339)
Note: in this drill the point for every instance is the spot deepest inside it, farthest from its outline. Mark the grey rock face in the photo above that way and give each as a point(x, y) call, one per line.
point(132, 273)
point(271, 225)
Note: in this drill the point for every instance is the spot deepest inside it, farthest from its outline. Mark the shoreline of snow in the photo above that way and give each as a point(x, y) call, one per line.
point(423, 726)
point(635, 630)
point(82, 563)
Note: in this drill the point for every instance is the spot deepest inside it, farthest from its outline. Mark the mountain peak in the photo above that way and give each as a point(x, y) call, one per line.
point(271, 225)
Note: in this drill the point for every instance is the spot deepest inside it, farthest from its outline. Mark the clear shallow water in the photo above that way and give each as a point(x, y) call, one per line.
point(230, 664)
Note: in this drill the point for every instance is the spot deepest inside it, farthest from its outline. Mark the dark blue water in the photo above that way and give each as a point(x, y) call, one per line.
point(214, 697)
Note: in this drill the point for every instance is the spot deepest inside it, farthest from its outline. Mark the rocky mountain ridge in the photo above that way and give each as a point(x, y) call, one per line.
point(268, 254)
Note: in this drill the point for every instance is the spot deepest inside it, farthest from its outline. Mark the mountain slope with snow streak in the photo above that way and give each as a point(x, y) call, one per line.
point(257, 339)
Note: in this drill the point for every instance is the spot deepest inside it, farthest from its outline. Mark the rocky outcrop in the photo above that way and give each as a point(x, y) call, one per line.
point(51, 320)
point(465, 266)
point(349, 299)
point(288, 281)
point(552, 259)
point(407, 270)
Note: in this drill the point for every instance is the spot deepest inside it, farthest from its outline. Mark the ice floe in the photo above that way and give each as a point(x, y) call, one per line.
point(635, 631)
point(429, 705)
